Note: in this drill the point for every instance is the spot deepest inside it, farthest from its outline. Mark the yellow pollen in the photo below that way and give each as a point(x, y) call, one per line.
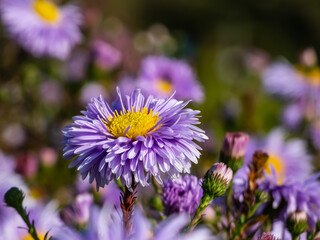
point(276, 163)
point(163, 86)
point(132, 124)
point(28, 237)
point(48, 11)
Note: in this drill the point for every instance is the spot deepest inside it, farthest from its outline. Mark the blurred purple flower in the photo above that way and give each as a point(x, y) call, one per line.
point(45, 217)
point(14, 135)
point(281, 78)
point(133, 140)
point(76, 66)
point(296, 196)
point(105, 56)
point(46, 29)
point(92, 90)
point(181, 195)
point(78, 213)
point(161, 76)
point(288, 159)
point(51, 92)
point(106, 223)
point(293, 115)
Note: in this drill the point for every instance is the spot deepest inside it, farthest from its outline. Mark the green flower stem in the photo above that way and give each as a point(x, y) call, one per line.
point(14, 198)
point(204, 202)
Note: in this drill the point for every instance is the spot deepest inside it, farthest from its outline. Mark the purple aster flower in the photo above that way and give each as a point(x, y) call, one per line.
point(295, 197)
point(105, 56)
point(161, 76)
point(45, 29)
point(289, 159)
point(181, 195)
point(133, 139)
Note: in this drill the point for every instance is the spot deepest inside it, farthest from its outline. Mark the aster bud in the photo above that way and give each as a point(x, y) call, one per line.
point(233, 149)
point(216, 181)
point(268, 236)
point(297, 223)
point(14, 198)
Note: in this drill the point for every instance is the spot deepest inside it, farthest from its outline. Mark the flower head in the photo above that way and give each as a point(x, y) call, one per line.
point(297, 223)
point(78, 212)
point(181, 195)
point(233, 149)
point(288, 160)
point(106, 56)
point(216, 181)
point(133, 139)
point(268, 236)
point(161, 76)
point(45, 29)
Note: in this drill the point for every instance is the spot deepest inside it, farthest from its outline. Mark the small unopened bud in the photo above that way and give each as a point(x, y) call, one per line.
point(297, 223)
point(233, 149)
point(216, 181)
point(14, 198)
point(262, 196)
point(268, 236)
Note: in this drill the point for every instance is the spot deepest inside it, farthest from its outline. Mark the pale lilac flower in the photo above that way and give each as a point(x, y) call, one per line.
point(133, 139)
point(161, 76)
point(79, 212)
point(181, 195)
point(45, 29)
point(92, 90)
point(105, 56)
point(14, 135)
point(51, 92)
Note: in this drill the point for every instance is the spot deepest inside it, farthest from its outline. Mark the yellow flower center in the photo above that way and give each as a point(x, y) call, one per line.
point(48, 11)
point(28, 237)
point(276, 163)
point(132, 124)
point(163, 86)
point(311, 75)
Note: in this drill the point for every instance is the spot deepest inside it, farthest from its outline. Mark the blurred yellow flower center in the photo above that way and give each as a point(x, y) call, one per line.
point(311, 75)
point(28, 237)
point(163, 86)
point(47, 10)
point(132, 124)
point(276, 163)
